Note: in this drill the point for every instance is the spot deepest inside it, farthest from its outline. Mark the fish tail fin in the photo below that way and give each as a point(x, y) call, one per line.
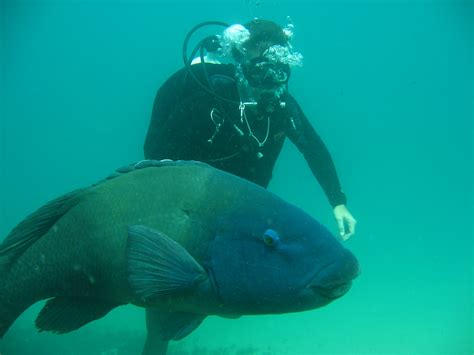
point(5, 321)
point(5, 317)
point(11, 307)
point(16, 243)
point(7, 314)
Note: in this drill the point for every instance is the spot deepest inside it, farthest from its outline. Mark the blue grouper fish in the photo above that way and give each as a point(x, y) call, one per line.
point(182, 239)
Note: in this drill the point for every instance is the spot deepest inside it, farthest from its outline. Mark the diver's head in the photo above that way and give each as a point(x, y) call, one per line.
point(262, 35)
point(262, 52)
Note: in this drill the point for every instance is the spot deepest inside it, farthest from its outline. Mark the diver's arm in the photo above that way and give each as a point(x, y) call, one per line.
point(303, 135)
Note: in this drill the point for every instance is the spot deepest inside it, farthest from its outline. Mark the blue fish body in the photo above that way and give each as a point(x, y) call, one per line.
point(182, 238)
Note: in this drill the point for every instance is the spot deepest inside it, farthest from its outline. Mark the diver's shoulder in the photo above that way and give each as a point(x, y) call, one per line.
point(182, 74)
point(215, 67)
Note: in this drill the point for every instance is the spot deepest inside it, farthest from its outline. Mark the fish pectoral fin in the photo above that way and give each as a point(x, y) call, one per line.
point(171, 325)
point(158, 266)
point(62, 315)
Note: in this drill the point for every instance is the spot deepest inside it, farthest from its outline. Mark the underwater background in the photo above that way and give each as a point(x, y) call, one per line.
point(387, 84)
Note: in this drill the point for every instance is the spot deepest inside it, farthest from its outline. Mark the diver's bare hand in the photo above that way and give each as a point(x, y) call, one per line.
point(345, 221)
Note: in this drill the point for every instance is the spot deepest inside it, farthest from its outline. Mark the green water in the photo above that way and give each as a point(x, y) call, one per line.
point(387, 84)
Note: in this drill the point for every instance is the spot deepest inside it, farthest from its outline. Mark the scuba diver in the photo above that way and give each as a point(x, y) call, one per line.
point(230, 107)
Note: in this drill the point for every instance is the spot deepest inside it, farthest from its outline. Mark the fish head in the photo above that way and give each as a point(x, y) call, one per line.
point(277, 260)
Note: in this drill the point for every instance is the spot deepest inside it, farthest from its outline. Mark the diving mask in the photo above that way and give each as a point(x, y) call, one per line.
point(266, 74)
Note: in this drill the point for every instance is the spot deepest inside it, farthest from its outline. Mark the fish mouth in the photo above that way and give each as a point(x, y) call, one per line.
point(332, 291)
point(335, 279)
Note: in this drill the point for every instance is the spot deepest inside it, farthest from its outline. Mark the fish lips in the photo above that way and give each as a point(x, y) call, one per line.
point(335, 279)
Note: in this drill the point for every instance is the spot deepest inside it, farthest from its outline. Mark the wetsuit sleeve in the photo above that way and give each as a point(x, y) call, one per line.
point(165, 102)
point(304, 136)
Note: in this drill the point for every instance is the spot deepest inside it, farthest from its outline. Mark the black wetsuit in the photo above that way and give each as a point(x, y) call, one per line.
point(181, 127)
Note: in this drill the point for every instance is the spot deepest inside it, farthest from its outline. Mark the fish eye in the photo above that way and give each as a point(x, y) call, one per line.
point(270, 237)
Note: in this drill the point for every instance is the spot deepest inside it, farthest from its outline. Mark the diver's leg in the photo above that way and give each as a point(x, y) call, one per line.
point(154, 345)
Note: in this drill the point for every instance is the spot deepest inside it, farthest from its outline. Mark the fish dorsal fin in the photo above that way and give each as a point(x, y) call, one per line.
point(154, 163)
point(35, 226)
point(39, 222)
point(62, 315)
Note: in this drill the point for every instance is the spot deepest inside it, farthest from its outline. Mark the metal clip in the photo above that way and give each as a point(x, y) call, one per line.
point(215, 118)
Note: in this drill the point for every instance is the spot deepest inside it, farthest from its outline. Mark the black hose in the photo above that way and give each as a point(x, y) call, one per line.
point(201, 46)
point(194, 29)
